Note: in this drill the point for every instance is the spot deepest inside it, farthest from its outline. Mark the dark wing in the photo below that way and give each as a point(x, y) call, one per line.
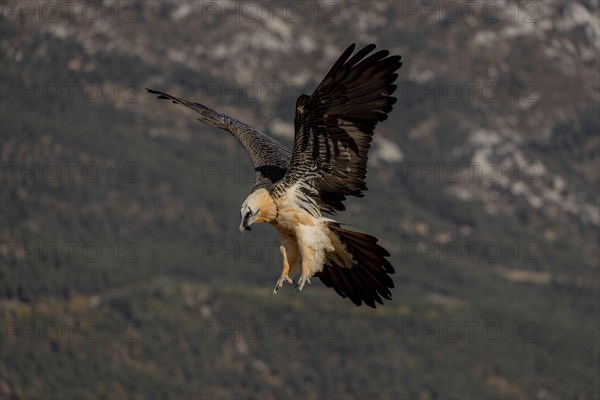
point(269, 157)
point(334, 127)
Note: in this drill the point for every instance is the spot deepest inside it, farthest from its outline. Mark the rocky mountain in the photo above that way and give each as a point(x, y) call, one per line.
point(122, 273)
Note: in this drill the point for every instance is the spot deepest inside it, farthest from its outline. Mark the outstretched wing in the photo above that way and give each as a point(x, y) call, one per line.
point(334, 127)
point(269, 157)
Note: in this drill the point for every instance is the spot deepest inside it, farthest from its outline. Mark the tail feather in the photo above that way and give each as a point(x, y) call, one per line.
point(332, 280)
point(346, 280)
point(368, 280)
point(366, 293)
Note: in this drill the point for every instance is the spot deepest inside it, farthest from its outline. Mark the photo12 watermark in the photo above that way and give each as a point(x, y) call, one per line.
point(470, 252)
point(265, 92)
point(291, 12)
point(68, 172)
point(470, 11)
point(471, 332)
point(70, 252)
point(469, 172)
point(67, 92)
point(238, 252)
point(433, 92)
point(69, 332)
point(269, 332)
point(71, 11)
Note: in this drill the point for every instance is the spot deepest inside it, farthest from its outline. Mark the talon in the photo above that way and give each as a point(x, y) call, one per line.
point(303, 279)
point(281, 281)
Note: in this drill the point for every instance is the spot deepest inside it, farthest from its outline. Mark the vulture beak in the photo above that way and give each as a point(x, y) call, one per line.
point(247, 215)
point(244, 227)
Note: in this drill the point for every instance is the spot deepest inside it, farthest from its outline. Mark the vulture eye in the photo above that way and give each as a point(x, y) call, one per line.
point(247, 216)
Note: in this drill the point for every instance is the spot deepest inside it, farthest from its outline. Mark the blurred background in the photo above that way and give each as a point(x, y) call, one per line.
point(123, 273)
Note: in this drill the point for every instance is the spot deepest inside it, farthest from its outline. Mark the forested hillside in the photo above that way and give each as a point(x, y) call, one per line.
point(123, 273)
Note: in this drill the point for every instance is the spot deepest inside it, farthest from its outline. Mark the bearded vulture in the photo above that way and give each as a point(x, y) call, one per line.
point(333, 132)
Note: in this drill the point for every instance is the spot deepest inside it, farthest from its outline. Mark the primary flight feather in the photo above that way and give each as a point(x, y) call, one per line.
point(333, 133)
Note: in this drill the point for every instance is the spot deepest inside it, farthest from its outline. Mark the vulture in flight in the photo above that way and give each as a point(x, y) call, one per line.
point(333, 132)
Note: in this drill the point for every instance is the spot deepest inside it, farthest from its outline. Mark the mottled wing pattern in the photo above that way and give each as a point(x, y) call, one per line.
point(269, 157)
point(334, 127)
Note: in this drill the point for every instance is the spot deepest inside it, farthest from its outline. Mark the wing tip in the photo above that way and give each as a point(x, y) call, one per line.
point(161, 95)
point(370, 46)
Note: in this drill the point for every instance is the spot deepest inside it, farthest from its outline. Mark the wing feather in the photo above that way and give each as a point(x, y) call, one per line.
point(269, 157)
point(334, 127)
